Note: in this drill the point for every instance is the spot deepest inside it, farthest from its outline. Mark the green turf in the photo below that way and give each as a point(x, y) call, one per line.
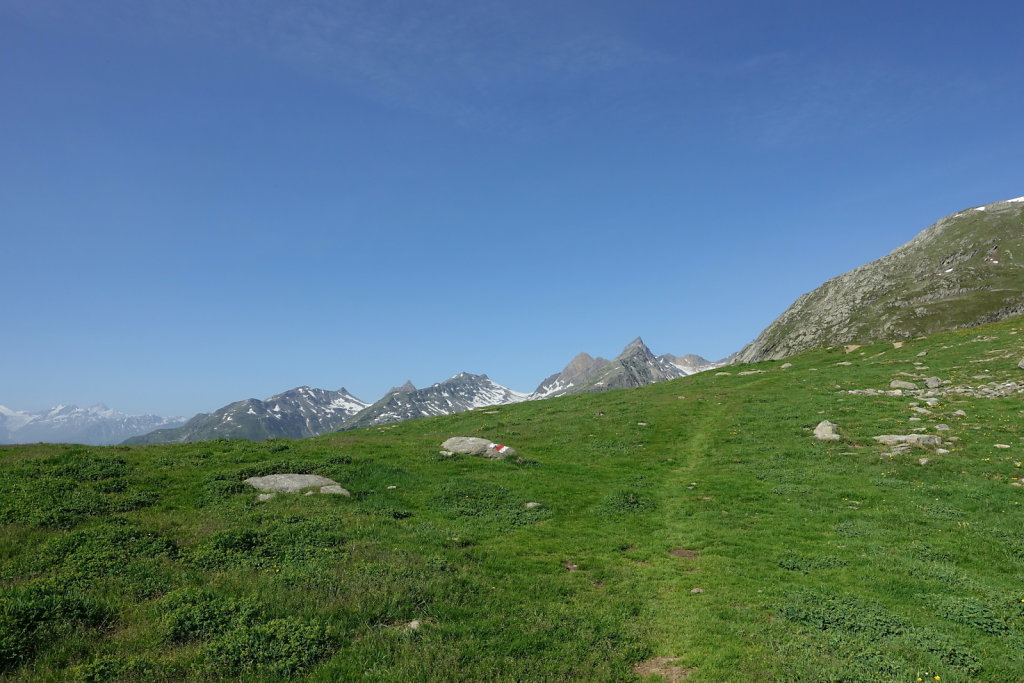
point(818, 561)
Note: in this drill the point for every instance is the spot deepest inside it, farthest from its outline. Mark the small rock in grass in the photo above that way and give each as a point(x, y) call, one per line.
point(942, 427)
point(922, 461)
point(391, 488)
point(722, 374)
point(751, 372)
point(941, 451)
point(844, 362)
point(532, 504)
point(933, 382)
point(1001, 445)
point(696, 591)
point(960, 413)
point(1021, 364)
point(336, 490)
point(900, 384)
point(266, 496)
point(914, 419)
point(413, 625)
point(787, 366)
point(919, 409)
point(826, 431)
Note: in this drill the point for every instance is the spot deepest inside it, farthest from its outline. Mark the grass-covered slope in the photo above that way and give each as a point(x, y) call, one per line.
point(815, 561)
point(965, 270)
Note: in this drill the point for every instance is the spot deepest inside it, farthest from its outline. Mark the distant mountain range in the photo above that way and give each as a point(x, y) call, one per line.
point(96, 426)
point(294, 414)
point(305, 412)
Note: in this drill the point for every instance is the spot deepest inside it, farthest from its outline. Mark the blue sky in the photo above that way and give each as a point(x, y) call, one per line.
point(202, 202)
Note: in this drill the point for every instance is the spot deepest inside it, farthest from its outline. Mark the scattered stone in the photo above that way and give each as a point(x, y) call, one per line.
point(787, 366)
point(850, 348)
point(941, 451)
point(413, 625)
point(922, 461)
point(392, 488)
point(750, 372)
point(932, 402)
point(897, 345)
point(922, 440)
point(923, 353)
point(933, 382)
point(722, 374)
point(1001, 445)
point(827, 431)
point(923, 411)
point(294, 483)
point(942, 427)
point(914, 419)
point(1021, 364)
point(696, 591)
point(266, 496)
point(960, 413)
point(571, 566)
point(532, 504)
point(473, 445)
point(641, 424)
point(844, 362)
point(900, 384)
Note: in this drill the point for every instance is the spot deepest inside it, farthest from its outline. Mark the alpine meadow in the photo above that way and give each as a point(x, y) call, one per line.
point(511, 341)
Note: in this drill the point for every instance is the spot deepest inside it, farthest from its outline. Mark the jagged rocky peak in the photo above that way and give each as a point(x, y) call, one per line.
point(964, 270)
point(456, 394)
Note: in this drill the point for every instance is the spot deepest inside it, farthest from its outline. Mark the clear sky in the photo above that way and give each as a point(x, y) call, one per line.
point(203, 201)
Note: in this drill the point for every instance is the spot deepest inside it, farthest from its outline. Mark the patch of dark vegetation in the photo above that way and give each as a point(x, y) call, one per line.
point(968, 611)
point(947, 650)
point(278, 649)
point(42, 613)
point(306, 542)
point(628, 501)
point(486, 503)
point(824, 611)
point(118, 668)
point(192, 614)
point(802, 563)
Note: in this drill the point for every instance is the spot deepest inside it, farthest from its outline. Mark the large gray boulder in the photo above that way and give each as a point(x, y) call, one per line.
point(295, 483)
point(474, 445)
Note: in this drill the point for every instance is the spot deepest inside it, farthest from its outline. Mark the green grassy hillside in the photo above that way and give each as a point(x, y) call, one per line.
point(692, 529)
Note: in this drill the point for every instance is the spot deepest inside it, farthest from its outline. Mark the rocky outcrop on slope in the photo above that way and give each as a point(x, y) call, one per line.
point(965, 270)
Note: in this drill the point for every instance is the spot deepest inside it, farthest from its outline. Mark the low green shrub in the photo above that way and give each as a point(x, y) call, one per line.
point(279, 648)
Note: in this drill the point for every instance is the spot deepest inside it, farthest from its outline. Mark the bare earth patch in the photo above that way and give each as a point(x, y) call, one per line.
point(683, 552)
point(664, 667)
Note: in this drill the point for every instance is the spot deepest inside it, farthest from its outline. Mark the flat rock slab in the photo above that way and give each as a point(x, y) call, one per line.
point(922, 440)
point(473, 445)
point(294, 483)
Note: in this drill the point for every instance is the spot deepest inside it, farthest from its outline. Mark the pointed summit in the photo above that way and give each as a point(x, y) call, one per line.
point(404, 389)
point(635, 347)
